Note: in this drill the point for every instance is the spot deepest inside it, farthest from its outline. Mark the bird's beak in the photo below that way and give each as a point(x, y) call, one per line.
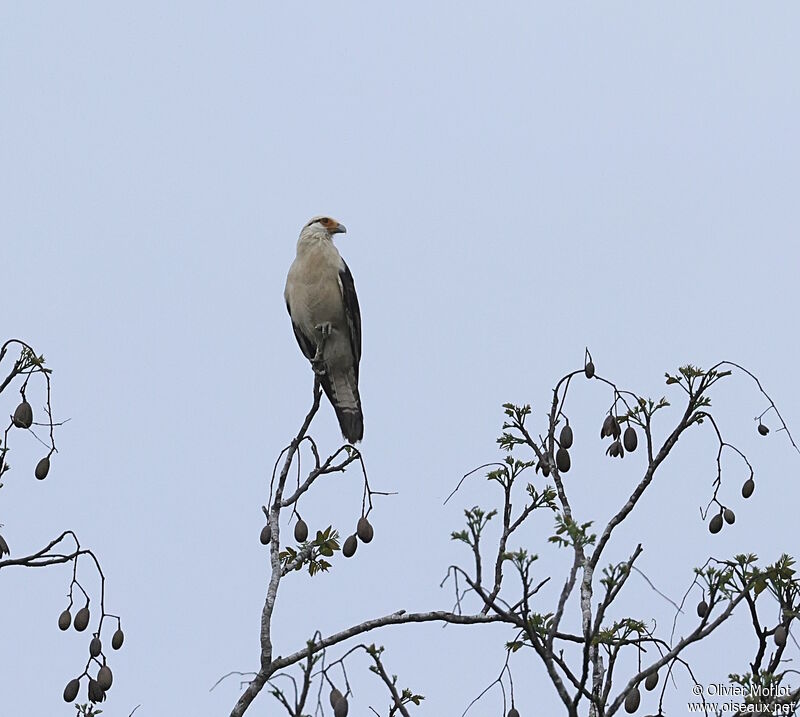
point(339, 229)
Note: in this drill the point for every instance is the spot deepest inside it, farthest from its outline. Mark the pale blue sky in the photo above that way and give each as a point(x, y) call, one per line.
point(518, 181)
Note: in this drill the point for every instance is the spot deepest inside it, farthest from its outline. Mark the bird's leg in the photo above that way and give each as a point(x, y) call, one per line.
point(317, 363)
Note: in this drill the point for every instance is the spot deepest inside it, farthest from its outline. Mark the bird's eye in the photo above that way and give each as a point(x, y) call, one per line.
point(326, 221)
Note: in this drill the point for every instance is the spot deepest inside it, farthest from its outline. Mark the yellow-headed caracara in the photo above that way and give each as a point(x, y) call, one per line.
point(322, 303)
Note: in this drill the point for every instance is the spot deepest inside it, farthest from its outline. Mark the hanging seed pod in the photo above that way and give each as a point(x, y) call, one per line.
point(71, 690)
point(95, 647)
point(562, 460)
point(42, 468)
point(23, 415)
point(266, 535)
point(608, 426)
point(364, 530)
point(117, 639)
point(341, 707)
point(651, 682)
point(4, 549)
point(565, 439)
point(104, 677)
point(633, 700)
point(615, 450)
point(513, 712)
point(748, 488)
point(630, 440)
point(544, 464)
point(349, 547)
point(715, 524)
point(616, 431)
point(702, 609)
point(335, 696)
point(588, 370)
point(64, 620)
point(300, 531)
point(730, 516)
point(82, 619)
point(96, 693)
point(762, 429)
point(780, 636)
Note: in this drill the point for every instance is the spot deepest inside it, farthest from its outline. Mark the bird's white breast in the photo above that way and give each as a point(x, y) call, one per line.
point(313, 290)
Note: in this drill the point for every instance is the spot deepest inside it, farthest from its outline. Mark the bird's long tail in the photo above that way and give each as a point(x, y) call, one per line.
point(342, 392)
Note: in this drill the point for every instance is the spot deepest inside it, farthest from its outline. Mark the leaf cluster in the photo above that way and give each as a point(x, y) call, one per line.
point(312, 552)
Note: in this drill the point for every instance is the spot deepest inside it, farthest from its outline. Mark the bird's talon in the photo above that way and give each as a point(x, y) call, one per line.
point(324, 329)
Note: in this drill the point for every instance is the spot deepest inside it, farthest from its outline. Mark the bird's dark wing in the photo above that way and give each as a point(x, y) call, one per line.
point(352, 312)
point(308, 347)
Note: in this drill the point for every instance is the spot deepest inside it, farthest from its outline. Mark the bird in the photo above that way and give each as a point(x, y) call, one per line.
point(323, 306)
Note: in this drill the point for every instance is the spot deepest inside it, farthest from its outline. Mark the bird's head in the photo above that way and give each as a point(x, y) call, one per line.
point(324, 226)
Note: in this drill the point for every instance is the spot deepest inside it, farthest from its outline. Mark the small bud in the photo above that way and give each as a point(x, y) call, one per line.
point(588, 369)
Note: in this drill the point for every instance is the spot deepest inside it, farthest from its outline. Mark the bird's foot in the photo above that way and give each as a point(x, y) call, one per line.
point(324, 329)
point(317, 363)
